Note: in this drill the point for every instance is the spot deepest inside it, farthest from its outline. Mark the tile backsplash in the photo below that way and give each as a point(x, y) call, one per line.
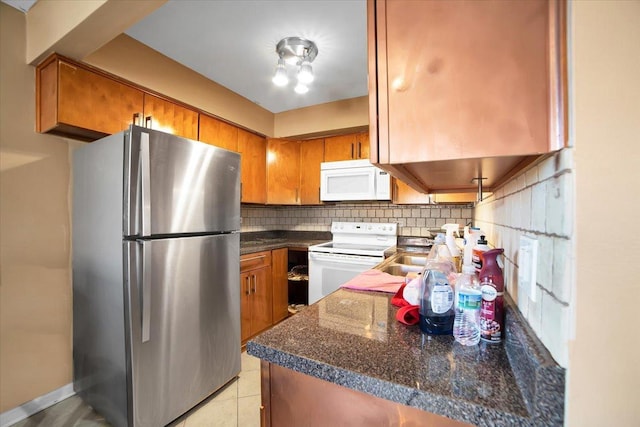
point(539, 203)
point(413, 220)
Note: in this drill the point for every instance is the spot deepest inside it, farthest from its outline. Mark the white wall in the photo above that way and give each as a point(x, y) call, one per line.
point(538, 203)
point(413, 220)
point(604, 368)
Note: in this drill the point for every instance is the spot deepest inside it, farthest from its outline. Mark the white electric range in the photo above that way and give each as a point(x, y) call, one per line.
point(355, 248)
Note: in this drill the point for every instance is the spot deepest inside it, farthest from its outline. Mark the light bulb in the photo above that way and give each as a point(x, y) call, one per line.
point(280, 77)
point(305, 74)
point(301, 88)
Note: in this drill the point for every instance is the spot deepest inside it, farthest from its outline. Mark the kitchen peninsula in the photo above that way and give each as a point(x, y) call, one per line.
point(346, 360)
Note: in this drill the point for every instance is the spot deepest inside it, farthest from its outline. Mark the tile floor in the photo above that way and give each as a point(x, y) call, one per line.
point(235, 405)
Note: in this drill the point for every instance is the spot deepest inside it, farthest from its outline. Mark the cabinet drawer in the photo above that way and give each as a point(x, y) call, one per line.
point(255, 260)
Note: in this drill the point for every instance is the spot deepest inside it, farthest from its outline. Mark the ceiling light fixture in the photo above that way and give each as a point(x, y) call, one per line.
point(300, 53)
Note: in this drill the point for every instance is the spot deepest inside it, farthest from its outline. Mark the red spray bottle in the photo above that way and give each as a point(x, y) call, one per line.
point(492, 288)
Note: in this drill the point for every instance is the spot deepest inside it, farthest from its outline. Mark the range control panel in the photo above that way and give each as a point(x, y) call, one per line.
point(365, 228)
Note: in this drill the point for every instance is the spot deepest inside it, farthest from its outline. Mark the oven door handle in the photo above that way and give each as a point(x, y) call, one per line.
point(343, 259)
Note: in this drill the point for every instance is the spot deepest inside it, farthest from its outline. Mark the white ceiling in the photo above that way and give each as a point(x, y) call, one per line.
point(23, 5)
point(233, 43)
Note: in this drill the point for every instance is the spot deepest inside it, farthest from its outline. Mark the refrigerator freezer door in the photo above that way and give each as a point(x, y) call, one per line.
point(174, 185)
point(190, 314)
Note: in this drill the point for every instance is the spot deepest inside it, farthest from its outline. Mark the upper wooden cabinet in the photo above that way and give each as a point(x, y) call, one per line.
point(74, 101)
point(166, 116)
point(459, 89)
point(403, 194)
point(347, 147)
point(293, 171)
point(253, 151)
point(216, 132)
point(311, 155)
point(283, 172)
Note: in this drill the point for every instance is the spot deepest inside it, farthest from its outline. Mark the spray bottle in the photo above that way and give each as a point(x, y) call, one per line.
point(471, 236)
point(451, 243)
point(492, 289)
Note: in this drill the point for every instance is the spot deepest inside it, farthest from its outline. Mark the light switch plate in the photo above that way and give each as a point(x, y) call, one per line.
point(527, 266)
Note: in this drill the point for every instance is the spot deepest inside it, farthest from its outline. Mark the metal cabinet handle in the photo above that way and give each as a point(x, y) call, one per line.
point(352, 151)
point(359, 149)
point(136, 119)
point(148, 122)
point(254, 283)
point(248, 291)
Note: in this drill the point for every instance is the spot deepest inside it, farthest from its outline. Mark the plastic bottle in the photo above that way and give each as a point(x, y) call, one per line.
point(437, 291)
point(476, 258)
point(466, 325)
point(451, 243)
point(439, 249)
point(470, 240)
point(492, 288)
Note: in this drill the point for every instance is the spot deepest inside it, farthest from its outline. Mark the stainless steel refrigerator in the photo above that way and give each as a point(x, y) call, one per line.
point(156, 250)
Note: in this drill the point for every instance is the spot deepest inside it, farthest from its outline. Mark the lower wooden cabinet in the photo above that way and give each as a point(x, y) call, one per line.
point(279, 281)
point(290, 398)
point(264, 295)
point(255, 294)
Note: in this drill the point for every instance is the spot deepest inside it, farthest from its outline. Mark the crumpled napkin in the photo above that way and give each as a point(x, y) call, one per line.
point(408, 314)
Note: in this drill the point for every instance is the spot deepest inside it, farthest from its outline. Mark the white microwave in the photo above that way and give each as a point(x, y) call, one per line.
point(353, 180)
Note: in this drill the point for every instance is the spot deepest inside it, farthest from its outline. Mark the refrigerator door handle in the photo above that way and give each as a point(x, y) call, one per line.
point(146, 292)
point(145, 171)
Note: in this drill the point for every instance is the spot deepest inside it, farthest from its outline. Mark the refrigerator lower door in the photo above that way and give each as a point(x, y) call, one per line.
point(183, 322)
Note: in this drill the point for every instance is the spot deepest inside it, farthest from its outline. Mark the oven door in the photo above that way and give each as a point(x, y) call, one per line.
point(327, 271)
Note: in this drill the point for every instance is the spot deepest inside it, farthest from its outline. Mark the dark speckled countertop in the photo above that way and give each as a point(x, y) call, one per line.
point(351, 338)
point(267, 240)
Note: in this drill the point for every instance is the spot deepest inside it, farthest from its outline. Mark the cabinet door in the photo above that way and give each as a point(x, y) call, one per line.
point(403, 194)
point(462, 80)
point(78, 102)
point(280, 283)
point(311, 155)
point(362, 144)
point(253, 149)
point(341, 147)
point(216, 132)
point(283, 172)
point(245, 306)
point(166, 116)
point(262, 300)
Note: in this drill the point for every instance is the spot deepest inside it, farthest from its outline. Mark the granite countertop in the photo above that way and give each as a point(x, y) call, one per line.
point(351, 338)
point(267, 240)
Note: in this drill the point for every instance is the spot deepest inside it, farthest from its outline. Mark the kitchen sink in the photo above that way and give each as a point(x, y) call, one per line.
point(402, 264)
point(401, 269)
point(411, 259)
